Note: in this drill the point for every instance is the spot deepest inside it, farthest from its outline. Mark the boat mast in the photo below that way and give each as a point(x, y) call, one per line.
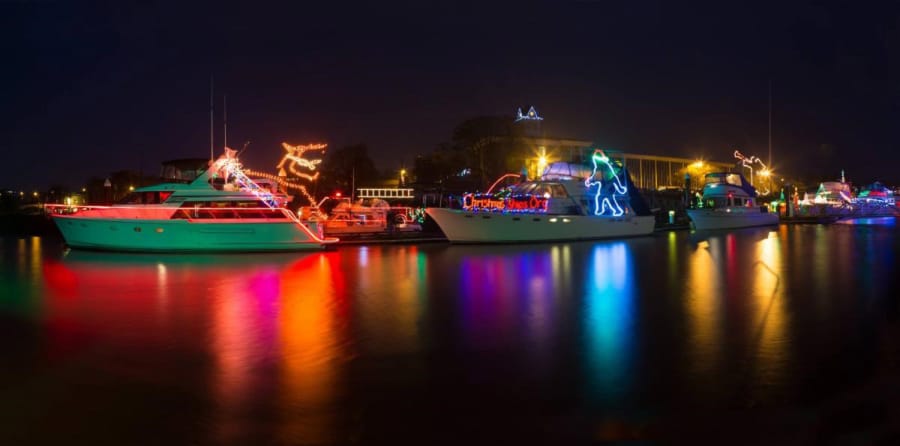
point(211, 149)
point(769, 164)
point(225, 120)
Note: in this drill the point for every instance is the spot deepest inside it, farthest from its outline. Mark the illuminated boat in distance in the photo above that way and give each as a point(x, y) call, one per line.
point(221, 210)
point(728, 202)
point(834, 193)
point(876, 194)
point(367, 216)
point(835, 200)
point(569, 202)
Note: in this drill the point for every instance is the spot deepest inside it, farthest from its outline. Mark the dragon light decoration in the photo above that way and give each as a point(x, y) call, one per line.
point(608, 203)
point(295, 163)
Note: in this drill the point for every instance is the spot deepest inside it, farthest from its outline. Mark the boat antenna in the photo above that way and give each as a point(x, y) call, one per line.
point(225, 118)
point(246, 144)
point(211, 148)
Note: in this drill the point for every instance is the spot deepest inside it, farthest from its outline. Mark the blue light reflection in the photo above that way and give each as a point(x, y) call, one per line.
point(609, 320)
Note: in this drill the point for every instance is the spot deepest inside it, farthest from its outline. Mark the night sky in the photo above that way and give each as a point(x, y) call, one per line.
point(92, 88)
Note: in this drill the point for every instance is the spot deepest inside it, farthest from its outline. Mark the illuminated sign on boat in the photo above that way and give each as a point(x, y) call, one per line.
point(519, 203)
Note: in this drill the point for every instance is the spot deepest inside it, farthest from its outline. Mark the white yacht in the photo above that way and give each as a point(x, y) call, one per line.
point(569, 202)
point(728, 201)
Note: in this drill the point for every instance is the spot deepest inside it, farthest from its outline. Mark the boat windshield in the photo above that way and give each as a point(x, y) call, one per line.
point(733, 179)
point(553, 190)
point(152, 197)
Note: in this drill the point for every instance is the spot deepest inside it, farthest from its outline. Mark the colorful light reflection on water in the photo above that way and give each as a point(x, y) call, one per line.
point(337, 346)
point(609, 319)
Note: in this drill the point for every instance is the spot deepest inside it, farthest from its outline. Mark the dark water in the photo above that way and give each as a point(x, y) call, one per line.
point(787, 335)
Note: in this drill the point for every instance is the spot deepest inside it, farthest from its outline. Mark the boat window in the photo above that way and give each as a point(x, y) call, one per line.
point(526, 188)
point(152, 197)
point(734, 179)
point(541, 190)
point(716, 202)
point(558, 191)
point(132, 198)
point(555, 190)
point(714, 178)
point(227, 210)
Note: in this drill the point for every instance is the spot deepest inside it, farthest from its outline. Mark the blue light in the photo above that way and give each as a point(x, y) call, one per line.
point(609, 320)
point(601, 205)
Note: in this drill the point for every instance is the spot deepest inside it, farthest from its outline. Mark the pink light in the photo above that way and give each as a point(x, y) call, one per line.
point(501, 179)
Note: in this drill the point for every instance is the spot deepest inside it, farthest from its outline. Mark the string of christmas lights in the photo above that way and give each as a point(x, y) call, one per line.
point(294, 155)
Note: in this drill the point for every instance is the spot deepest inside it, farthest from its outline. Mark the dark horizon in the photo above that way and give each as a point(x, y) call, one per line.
point(97, 88)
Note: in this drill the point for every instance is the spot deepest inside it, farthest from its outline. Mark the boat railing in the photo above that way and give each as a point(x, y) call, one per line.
point(230, 213)
point(188, 213)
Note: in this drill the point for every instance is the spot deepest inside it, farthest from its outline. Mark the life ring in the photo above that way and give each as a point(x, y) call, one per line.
point(399, 219)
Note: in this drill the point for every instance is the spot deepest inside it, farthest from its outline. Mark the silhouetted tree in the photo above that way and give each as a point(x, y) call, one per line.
point(122, 181)
point(493, 145)
point(342, 165)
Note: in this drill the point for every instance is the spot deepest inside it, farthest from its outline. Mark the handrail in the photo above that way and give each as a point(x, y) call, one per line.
point(144, 207)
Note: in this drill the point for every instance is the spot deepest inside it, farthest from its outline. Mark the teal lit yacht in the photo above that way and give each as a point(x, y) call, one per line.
point(222, 210)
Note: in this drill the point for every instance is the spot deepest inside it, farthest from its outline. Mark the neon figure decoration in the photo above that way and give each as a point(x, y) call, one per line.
point(748, 161)
point(602, 204)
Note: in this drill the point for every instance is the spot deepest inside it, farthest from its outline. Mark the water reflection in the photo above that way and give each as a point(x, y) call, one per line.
point(490, 286)
point(702, 291)
point(244, 338)
point(609, 320)
point(312, 331)
point(393, 285)
point(311, 348)
point(770, 339)
point(821, 264)
point(21, 274)
point(499, 292)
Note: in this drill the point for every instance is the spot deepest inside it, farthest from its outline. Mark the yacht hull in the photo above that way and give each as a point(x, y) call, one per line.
point(473, 227)
point(179, 235)
point(731, 218)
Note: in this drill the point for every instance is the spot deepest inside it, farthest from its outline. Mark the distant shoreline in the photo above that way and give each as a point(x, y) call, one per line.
point(27, 225)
